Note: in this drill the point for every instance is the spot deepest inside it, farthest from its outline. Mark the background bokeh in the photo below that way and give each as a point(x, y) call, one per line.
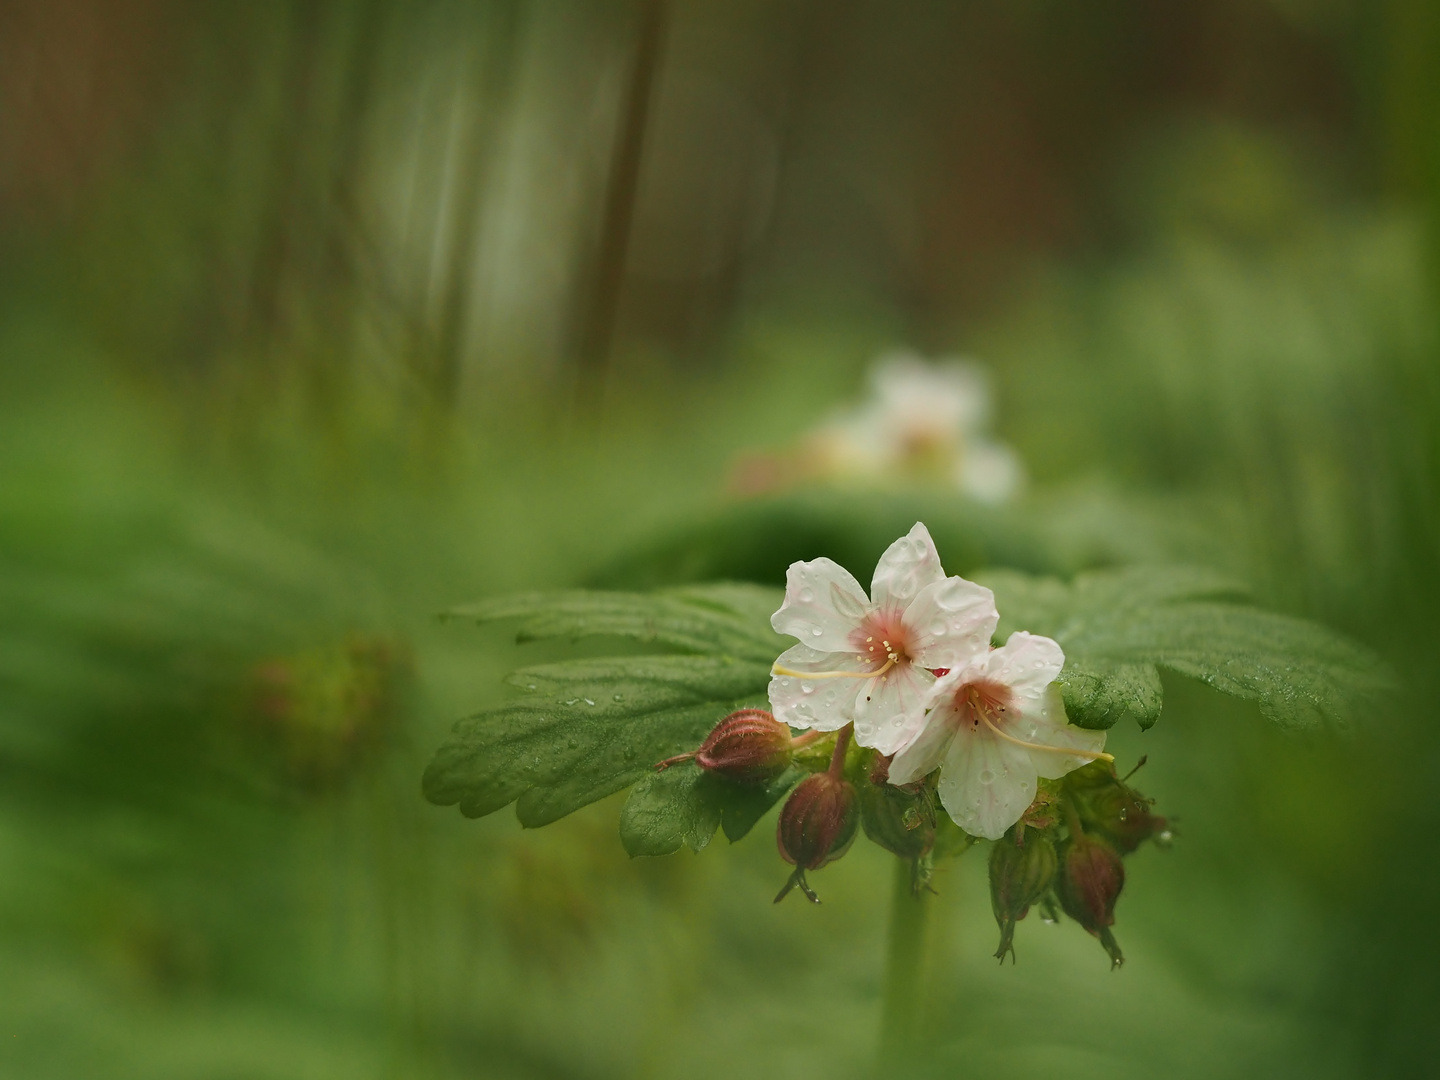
point(320, 316)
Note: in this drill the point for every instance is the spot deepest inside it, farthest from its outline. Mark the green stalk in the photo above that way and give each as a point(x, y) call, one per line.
point(901, 1007)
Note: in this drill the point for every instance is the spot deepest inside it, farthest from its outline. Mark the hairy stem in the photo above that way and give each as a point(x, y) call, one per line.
point(904, 968)
point(842, 746)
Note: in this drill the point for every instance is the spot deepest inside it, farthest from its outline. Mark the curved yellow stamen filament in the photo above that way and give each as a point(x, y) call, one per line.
point(1088, 755)
point(778, 670)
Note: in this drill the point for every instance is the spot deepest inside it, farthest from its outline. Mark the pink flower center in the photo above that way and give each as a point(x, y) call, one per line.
point(883, 639)
point(983, 701)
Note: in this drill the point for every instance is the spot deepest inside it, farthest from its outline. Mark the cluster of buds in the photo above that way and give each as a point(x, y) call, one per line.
point(821, 817)
point(1069, 849)
point(1066, 853)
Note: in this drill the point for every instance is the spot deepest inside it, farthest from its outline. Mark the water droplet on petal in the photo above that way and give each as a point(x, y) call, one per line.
point(807, 688)
point(807, 594)
point(817, 632)
point(986, 776)
point(939, 628)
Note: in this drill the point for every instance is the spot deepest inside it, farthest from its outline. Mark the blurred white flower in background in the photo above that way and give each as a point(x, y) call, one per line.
point(921, 422)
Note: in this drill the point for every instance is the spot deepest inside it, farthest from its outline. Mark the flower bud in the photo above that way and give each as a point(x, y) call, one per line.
point(749, 746)
point(816, 826)
point(899, 821)
point(1020, 875)
point(1088, 885)
point(1122, 815)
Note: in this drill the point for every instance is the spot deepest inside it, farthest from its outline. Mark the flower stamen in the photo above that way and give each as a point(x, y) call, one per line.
point(778, 670)
point(984, 714)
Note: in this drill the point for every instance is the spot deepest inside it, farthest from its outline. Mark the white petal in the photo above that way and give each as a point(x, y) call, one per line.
point(923, 754)
point(824, 704)
point(950, 623)
point(949, 393)
point(1027, 663)
point(823, 605)
point(890, 711)
point(985, 783)
point(908, 565)
point(1043, 723)
point(989, 472)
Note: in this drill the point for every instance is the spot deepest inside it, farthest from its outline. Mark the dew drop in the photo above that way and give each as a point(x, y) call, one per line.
point(587, 701)
point(1124, 814)
point(807, 594)
point(986, 776)
point(817, 632)
point(807, 688)
point(1024, 785)
point(619, 697)
point(530, 686)
point(939, 628)
point(784, 684)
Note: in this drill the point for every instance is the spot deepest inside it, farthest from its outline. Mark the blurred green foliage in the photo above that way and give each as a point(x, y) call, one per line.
point(286, 336)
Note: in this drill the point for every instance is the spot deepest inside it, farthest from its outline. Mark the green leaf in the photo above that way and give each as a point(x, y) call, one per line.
point(1062, 531)
point(716, 619)
point(684, 805)
point(584, 729)
point(1120, 627)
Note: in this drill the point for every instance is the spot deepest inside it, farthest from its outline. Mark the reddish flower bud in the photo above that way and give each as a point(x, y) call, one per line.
point(1088, 885)
point(749, 746)
point(1020, 875)
point(1123, 816)
point(1108, 806)
point(816, 826)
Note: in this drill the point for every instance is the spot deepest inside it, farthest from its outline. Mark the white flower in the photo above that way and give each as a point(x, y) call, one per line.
point(871, 660)
point(922, 421)
point(995, 723)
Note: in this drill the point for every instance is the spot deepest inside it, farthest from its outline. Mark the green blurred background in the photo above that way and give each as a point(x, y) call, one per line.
point(317, 317)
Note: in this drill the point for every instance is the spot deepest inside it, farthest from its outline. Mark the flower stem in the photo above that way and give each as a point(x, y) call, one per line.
point(900, 1018)
point(842, 745)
